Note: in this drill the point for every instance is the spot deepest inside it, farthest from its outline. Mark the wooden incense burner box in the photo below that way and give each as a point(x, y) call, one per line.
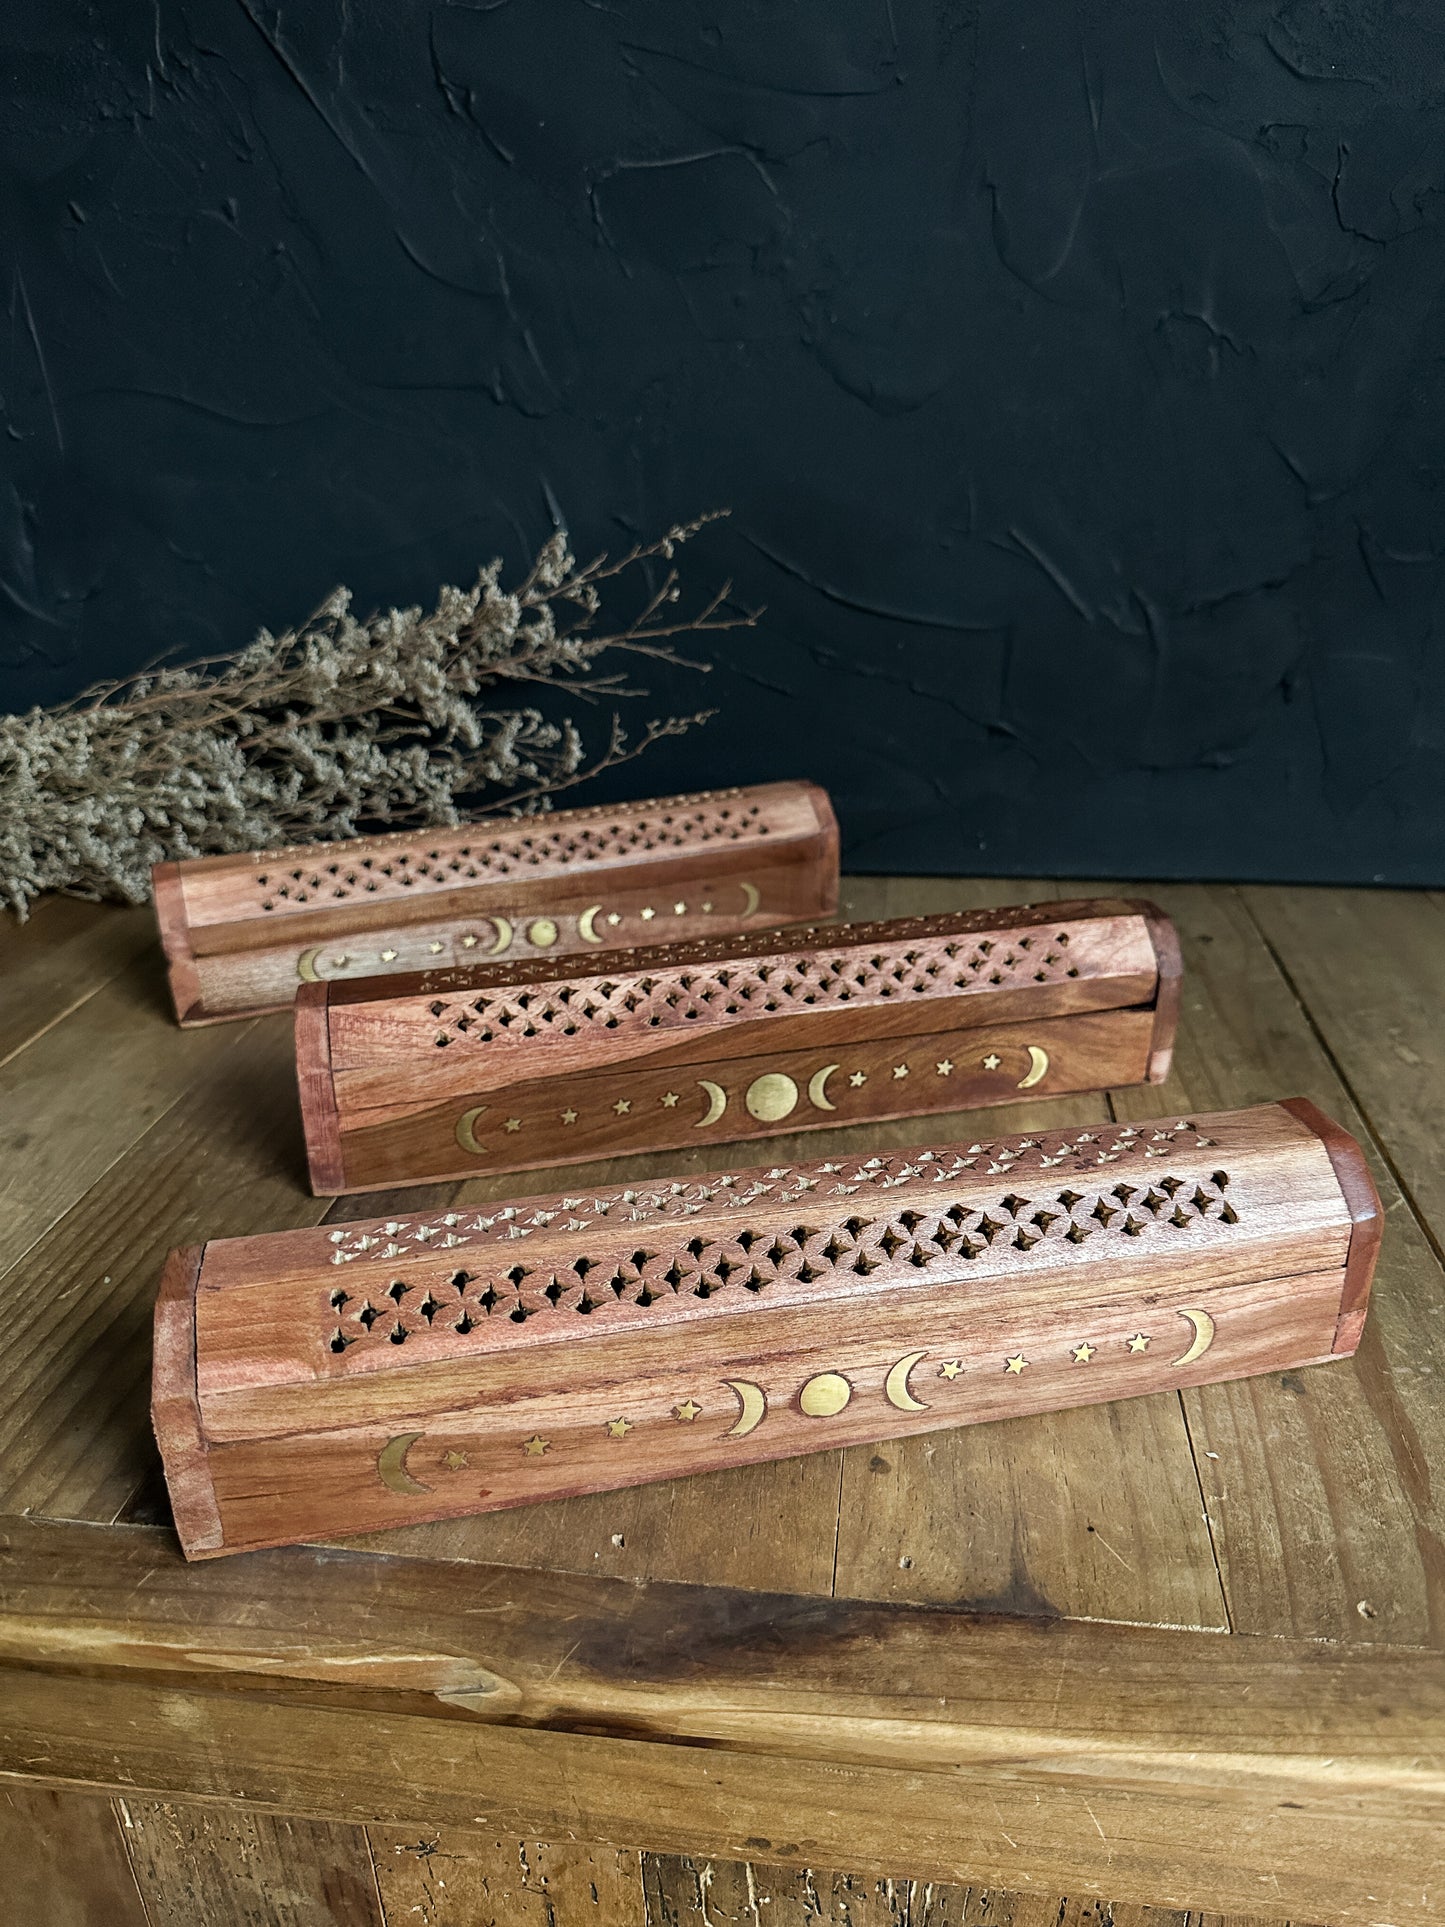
point(240, 932)
point(338, 1380)
point(458, 1072)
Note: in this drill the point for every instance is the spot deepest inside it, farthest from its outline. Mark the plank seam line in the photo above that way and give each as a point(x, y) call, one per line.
point(60, 1017)
point(837, 1524)
point(375, 1876)
point(116, 1803)
point(1382, 1150)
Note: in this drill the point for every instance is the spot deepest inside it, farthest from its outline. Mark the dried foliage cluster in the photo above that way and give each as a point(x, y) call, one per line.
point(336, 727)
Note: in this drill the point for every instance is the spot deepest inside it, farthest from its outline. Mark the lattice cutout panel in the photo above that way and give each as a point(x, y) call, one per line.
point(861, 975)
point(470, 855)
point(617, 1284)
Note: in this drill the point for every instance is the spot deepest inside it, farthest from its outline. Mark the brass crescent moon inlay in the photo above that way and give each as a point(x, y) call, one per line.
point(818, 1088)
point(717, 1103)
point(466, 1131)
point(504, 935)
point(306, 965)
point(391, 1465)
point(896, 1384)
point(750, 898)
point(1038, 1068)
point(754, 1401)
point(1203, 1335)
point(585, 928)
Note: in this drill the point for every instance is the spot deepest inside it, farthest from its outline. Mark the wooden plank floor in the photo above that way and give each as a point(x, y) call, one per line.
point(1303, 1507)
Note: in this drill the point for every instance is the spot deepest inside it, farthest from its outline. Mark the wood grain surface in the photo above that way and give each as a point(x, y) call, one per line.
point(1286, 1507)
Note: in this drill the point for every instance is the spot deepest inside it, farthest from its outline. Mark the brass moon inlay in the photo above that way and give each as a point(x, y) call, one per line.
point(1203, 1336)
point(585, 928)
point(771, 1096)
point(896, 1384)
point(818, 1088)
point(391, 1465)
point(825, 1396)
point(504, 935)
point(466, 1135)
point(306, 965)
point(750, 898)
point(542, 932)
point(754, 1402)
point(717, 1103)
point(1038, 1068)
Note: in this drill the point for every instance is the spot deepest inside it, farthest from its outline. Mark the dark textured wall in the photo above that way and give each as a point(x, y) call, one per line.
point(1075, 372)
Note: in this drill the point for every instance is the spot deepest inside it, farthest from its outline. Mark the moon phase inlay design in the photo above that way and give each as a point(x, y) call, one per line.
point(1038, 1068)
point(391, 1465)
point(750, 899)
point(818, 1088)
point(717, 1103)
point(585, 928)
point(306, 965)
point(771, 1096)
point(542, 932)
point(1203, 1335)
point(504, 935)
point(824, 1395)
point(466, 1131)
point(895, 1386)
point(754, 1402)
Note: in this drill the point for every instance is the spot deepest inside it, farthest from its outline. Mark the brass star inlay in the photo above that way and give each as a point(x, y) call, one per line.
point(1083, 1353)
point(679, 909)
point(945, 1069)
point(340, 963)
point(469, 942)
point(1015, 1364)
point(622, 1106)
point(613, 918)
point(535, 1446)
point(512, 1124)
point(648, 914)
point(435, 949)
point(950, 1368)
point(687, 1411)
point(455, 1461)
point(668, 1100)
point(858, 1079)
point(1139, 1342)
point(618, 1428)
point(900, 1070)
point(568, 1116)
point(388, 956)
point(707, 909)
point(991, 1063)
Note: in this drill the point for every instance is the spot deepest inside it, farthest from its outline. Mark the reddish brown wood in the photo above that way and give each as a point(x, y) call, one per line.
point(424, 1366)
point(456, 1072)
point(240, 932)
point(175, 1406)
point(1358, 1190)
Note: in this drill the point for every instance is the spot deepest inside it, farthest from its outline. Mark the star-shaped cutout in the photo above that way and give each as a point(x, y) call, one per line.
point(469, 942)
point(568, 1116)
point(1083, 1353)
point(648, 914)
point(455, 1462)
point(512, 1124)
point(622, 1106)
point(613, 918)
point(535, 1446)
point(1015, 1364)
point(945, 1068)
point(1139, 1342)
point(388, 956)
point(687, 1411)
point(991, 1063)
point(618, 1428)
point(900, 1070)
point(950, 1368)
point(668, 1100)
point(858, 1079)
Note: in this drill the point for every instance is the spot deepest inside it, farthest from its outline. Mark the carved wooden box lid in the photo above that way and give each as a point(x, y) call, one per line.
point(337, 1378)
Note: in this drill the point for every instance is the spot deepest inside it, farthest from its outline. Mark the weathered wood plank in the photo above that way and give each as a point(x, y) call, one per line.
point(1318, 1485)
point(205, 1866)
point(63, 954)
point(64, 1862)
point(453, 1877)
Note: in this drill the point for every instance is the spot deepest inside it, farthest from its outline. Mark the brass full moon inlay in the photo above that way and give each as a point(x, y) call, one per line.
point(771, 1096)
point(543, 932)
point(825, 1396)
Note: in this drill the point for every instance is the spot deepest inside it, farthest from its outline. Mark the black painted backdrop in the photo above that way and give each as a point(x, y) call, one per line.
point(1074, 372)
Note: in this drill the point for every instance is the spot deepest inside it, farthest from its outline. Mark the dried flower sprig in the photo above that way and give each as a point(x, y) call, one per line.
point(337, 727)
